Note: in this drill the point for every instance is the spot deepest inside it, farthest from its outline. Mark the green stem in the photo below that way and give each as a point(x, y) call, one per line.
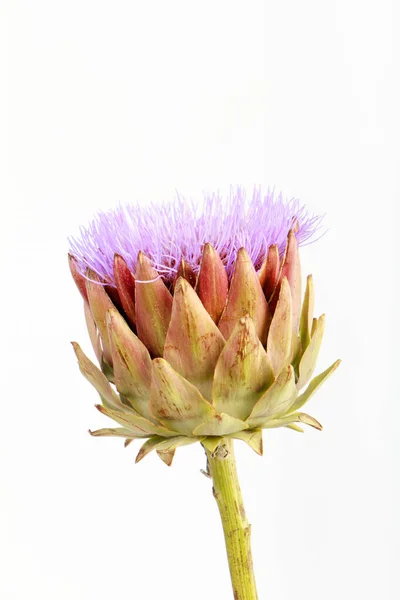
point(226, 490)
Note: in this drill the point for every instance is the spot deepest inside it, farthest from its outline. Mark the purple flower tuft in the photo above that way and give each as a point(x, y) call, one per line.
point(177, 230)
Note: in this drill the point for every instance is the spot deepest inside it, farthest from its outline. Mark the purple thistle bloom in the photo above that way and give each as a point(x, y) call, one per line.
point(179, 230)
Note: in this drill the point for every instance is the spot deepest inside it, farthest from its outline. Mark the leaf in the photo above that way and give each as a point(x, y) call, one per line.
point(135, 422)
point(277, 399)
point(118, 432)
point(279, 342)
point(132, 363)
point(97, 379)
point(186, 271)
point(212, 283)
point(310, 355)
point(315, 385)
point(243, 372)
point(269, 271)
point(253, 438)
point(307, 312)
point(93, 333)
point(125, 282)
point(295, 427)
point(194, 342)
point(175, 402)
point(153, 306)
point(167, 456)
point(313, 326)
point(99, 303)
point(80, 280)
point(220, 425)
point(290, 419)
point(245, 297)
point(291, 270)
point(149, 446)
point(165, 446)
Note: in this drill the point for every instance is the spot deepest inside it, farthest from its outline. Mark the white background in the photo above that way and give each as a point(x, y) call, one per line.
point(106, 102)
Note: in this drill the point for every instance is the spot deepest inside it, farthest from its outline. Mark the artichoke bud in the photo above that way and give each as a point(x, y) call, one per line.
point(209, 356)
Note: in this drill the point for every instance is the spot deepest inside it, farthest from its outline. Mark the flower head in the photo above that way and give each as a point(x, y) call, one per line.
point(197, 321)
point(177, 231)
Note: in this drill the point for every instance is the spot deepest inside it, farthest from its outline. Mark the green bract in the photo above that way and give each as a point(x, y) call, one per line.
point(202, 359)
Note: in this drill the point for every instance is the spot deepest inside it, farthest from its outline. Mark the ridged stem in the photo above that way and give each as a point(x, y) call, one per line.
point(226, 490)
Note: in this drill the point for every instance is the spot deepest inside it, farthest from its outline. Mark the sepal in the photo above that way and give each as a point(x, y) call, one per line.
point(135, 422)
point(292, 419)
point(307, 313)
point(291, 270)
point(153, 306)
point(80, 280)
point(279, 344)
point(99, 303)
point(94, 334)
point(118, 432)
point(253, 439)
point(212, 283)
point(243, 372)
point(276, 401)
point(315, 385)
point(269, 271)
point(165, 447)
point(125, 282)
point(131, 361)
point(194, 342)
point(176, 402)
point(310, 355)
point(97, 379)
point(186, 271)
point(245, 297)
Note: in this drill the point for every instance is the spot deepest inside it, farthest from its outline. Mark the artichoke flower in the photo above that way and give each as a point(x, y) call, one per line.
point(198, 323)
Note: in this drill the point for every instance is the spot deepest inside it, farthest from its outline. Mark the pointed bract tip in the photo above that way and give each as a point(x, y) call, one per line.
point(167, 457)
point(181, 285)
point(139, 456)
point(243, 255)
point(119, 262)
point(77, 348)
point(142, 258)
point(208, 249)
point(308, 420)
point(77, 276)
point(144, 268)
point(118, 258)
